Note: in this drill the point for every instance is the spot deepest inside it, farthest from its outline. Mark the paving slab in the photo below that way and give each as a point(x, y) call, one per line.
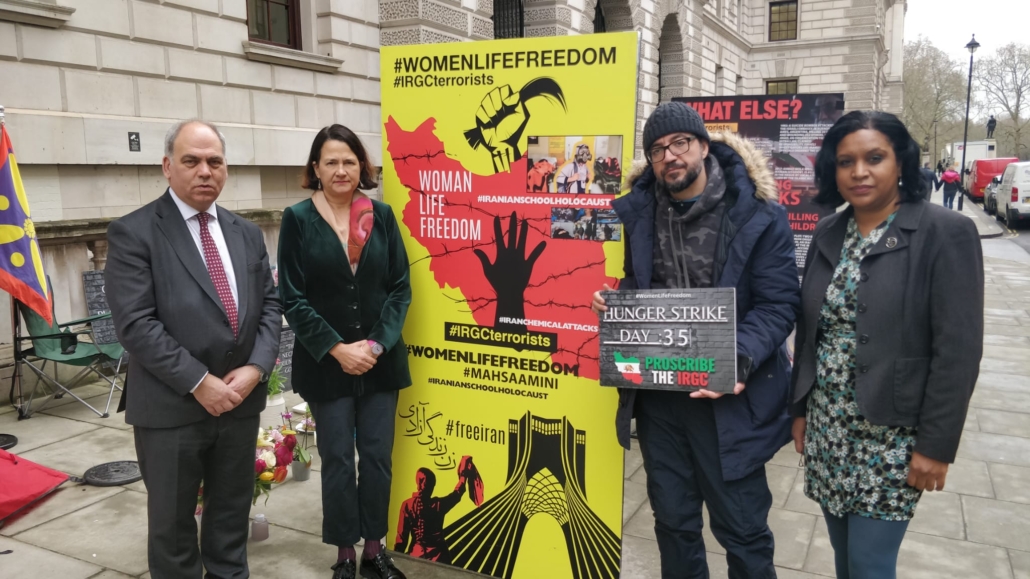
point(1014, 341)
point(1020, 564)
point(633, 461)
point(924, 557)
point(640, 557)
point(68, 498)
point(1004, 352)
point(109, 574)
point(991, 321)
point(26, 560)
point(971, 421)
point(1020, 368)
point(1003, 381)
point(969, 477)
point(41, 430)
point(939, 514)
point(83, 414)
point(111, 533)
point(634, 495)
point(998, 330)
point(998, 523)
point(1020, 313)
point(995, 448)
point(1011, 483)
point(781, 482)
point(787, 456)
point(94, 447)
point(997, 399)
point(1001, 422)
point(797, 501)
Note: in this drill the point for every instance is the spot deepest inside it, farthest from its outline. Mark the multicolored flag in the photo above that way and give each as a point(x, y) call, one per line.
point(21, 263)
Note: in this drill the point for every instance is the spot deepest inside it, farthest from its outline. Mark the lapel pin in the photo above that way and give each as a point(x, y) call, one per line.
point(892, 242)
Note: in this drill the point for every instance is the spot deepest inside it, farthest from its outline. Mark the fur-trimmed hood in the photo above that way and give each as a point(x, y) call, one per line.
point(756, 163)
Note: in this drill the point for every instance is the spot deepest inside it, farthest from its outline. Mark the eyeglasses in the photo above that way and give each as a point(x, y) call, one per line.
point(677, 147)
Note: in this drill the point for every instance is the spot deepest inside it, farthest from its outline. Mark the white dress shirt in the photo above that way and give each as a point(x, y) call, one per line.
point(189, 215)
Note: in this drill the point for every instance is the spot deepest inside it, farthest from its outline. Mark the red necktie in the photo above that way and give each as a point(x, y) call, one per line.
point(217, 272)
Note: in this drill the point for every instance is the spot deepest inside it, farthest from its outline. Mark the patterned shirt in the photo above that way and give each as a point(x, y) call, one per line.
point(851, 465)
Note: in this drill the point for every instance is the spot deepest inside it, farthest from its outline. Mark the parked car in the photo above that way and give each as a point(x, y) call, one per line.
point(1013, 195)
point(990, 200)
point(981, 172)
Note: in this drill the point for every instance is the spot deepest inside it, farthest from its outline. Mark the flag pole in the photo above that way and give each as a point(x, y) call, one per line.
point(7, 440)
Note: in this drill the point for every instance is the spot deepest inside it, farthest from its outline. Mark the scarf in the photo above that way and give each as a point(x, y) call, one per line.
point(358, 231)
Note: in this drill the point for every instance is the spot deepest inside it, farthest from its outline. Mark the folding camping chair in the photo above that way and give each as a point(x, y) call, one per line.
point(59, 344)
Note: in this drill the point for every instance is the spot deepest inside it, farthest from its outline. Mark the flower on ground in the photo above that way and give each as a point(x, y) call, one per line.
point(269, 459)
point(290, 441)
point(266, 476)
point(280, 474)
point(259, 466)
point(283, 456)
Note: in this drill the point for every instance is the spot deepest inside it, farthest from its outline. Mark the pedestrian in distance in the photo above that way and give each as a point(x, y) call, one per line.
point(888, 342)
point(931, 180)
point(950, 182)
point(703, 213)
point(940, 168)
point(193, 302)
point(344, 281)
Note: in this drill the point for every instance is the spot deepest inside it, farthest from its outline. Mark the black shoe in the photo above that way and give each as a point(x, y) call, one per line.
point(380, 567)
point(346, 569)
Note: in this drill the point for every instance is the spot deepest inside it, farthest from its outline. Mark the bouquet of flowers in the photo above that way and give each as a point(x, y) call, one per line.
point(300, 450)
point(271, 463)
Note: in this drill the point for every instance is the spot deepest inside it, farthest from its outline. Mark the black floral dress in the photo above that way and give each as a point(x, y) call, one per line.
point(851, 465)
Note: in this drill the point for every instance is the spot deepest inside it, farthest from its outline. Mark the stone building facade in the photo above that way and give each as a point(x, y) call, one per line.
point(91, 86)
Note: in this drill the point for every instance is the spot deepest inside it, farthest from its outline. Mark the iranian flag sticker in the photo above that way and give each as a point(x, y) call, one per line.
point(629, 367)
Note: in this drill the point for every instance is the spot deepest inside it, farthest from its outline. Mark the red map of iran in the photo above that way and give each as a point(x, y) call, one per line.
point(507, 269)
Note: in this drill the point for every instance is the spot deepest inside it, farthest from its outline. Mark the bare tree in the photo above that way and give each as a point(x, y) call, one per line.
point(935, 92)
point(1004, 81)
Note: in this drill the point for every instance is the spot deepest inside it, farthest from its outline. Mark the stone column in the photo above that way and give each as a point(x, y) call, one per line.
point(98, 249)
point(404, 22)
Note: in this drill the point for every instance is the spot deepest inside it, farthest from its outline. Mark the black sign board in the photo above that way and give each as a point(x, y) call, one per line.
point(134, 142)
point(96, 303)
point(286, 357)
point(677, 339)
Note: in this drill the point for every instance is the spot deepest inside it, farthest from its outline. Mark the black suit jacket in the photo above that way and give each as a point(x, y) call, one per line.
point(169, 318)
point(919, 322)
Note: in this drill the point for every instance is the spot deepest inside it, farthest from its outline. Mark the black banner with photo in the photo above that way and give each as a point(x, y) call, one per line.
point(789, 129)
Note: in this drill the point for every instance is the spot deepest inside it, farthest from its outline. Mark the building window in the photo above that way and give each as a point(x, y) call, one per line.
point(275, 22)
point(509, 20)
point(599, 24)
point(783, 21)
point(788, 86)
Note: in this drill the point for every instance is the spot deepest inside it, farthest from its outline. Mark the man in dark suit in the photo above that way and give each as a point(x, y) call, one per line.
point(193, 302)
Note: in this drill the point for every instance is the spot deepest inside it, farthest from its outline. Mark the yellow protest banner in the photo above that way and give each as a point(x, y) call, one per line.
point(500, 161)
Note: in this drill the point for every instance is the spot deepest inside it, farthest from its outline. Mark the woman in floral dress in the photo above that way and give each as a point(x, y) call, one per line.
point(889, 342)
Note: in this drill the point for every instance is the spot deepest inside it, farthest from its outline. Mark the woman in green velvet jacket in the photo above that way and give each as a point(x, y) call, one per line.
point(343, 278)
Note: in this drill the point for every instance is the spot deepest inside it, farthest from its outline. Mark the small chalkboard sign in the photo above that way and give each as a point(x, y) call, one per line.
point(96, 303)
point(674, 339)
point(286, 357)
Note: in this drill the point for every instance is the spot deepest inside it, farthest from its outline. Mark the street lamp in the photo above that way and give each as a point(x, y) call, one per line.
point(971, 47)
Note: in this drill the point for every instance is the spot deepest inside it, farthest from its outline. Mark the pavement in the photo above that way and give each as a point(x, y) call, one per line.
point(979, 527)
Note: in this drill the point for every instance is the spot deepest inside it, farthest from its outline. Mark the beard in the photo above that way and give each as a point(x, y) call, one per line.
point(673, 187)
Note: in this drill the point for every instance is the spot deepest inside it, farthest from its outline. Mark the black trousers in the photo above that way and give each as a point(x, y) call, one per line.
point(355, 508)
point(173, 461)
point(680, 446)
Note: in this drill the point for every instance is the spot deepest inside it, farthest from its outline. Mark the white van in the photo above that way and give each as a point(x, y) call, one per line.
point(1013, 195)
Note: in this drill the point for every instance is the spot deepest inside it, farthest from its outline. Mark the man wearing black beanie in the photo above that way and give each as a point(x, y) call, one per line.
point(703, 213)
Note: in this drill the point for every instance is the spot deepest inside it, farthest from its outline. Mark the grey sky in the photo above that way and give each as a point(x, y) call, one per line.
point(949, 24)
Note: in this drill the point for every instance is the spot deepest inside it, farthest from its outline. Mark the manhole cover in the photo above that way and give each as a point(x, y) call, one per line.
point(7, 441)
point(113, 474)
